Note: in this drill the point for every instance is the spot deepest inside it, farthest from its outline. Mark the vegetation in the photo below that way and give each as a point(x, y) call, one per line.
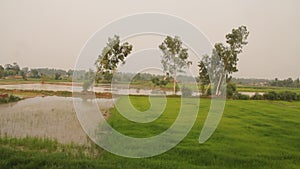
point(223, 61)
point(174, 58)
point(112, 55)
point(186, 91)
point(286, 83)
point(6, 98)
point(247, 137)
point(41, 93)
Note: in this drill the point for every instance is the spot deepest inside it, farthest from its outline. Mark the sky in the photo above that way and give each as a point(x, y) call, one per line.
point(51, 33)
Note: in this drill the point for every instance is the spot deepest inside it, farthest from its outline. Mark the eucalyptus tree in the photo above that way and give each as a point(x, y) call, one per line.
point(174, 58)
point(112, 55)
point(224, 56)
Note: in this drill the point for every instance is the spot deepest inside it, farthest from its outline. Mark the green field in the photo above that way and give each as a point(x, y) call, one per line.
point(251, 134)
point(266, 89)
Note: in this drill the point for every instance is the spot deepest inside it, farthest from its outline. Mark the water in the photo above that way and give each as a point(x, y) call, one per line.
point(46, 117)
point(121, 90)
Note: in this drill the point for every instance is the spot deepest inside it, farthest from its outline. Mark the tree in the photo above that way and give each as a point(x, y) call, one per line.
point(1, 71)
point(174, 58)
point(89, 79)
point(57, 76)
point(112, 54)
point(23, 74)
point(34, 73)
point(203, 75)
point(70, 73)
point(225, 56)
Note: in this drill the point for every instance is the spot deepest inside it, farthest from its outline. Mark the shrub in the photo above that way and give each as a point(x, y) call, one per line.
point(186, 92)
point(239, 96)
point(9, 98)
point(286, 96)
point(230, 90)
point(257, 96)
point(271, 96)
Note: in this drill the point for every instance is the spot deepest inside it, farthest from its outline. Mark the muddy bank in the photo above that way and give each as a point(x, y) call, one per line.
point(46, 117)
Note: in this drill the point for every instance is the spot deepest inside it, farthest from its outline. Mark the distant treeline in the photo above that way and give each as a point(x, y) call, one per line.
point(289, 82)
point(286, 83)
point(14, 71)
point(285, 96)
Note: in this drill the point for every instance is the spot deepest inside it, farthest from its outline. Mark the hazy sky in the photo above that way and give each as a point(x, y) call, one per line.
point(40, 33)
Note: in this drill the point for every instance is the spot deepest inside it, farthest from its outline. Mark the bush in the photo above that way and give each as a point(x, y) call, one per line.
point(257, 96)
point(86, 85)
point(271, 96)
point(239, 96)
point(9, 98)
point(186, 92)
point(230, 90)
point(286, 96)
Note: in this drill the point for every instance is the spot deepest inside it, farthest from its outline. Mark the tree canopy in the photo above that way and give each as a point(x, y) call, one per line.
point(224, 56)
point(174, 58)
point(112, 54)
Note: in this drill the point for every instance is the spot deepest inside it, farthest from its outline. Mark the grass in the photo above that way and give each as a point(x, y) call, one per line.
point(266, 89)
point(252, 134)
point(32, 81)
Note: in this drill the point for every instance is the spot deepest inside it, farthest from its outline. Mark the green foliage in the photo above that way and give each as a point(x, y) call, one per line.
point(89, 78)
point(1, 71)
point(9, 98)
point(34, 73)
point(223, 61)
point(57, 76)
point(239, 96)
point(203, 74)
point(289, 82)
point(285, 95)
point(186, 92)
point(86, 85)
point(271, 96)
point(159, 82)
point(231, 90)
point(257, 96)
point(174, 58)
point(113, 54)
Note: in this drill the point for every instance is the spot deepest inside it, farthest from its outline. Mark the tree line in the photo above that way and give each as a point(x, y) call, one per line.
point(15, 71)
point(214, 70)
point(289, 82)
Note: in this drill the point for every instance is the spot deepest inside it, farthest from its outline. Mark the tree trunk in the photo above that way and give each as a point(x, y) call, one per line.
point(207, 88)
point(219, 85)
point(174, 85)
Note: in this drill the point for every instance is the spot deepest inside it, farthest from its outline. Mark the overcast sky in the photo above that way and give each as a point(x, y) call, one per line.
point(40, 33)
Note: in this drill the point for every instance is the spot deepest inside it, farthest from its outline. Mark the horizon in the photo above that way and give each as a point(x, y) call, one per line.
point(53, 33)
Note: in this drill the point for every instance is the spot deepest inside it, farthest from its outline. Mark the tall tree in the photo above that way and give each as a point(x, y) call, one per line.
point(174, 58)
point(112, 54)
point(1, 71)
point(203, 74)
point(226, 56)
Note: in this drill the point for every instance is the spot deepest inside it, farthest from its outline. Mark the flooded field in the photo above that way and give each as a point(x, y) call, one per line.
point(119, 89)
point(46, 117)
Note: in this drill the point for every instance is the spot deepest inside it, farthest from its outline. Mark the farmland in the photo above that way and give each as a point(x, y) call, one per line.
point(251, 134)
